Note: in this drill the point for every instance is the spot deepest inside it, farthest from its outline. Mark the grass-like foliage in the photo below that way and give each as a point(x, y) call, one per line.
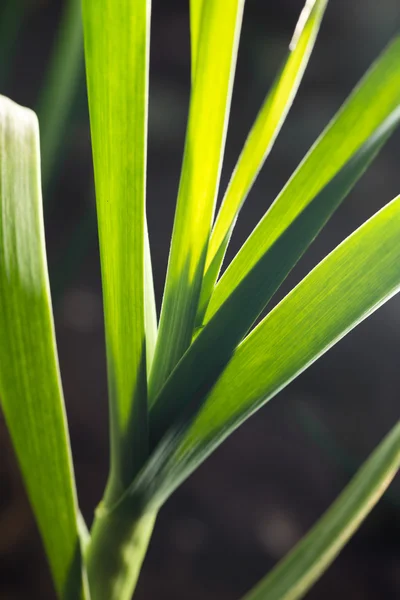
point(179, 387)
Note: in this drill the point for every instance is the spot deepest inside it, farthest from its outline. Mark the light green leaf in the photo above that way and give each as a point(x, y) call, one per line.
point(296, 573)
point(196, 7)
point(200, 367)
point(30, 387)
point(205, 141)
point(117, 55)
point(260, 141)
point(347, 286)
point(376, 97)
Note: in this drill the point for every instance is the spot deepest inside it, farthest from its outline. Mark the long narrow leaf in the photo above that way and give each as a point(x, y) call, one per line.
point(347, 286)
point(260, 141)
point(377, 95)
point(196, 7)
point(30, 387)
point(205, 140)
point(117, 55)
point(294, 576)
point(200, 367)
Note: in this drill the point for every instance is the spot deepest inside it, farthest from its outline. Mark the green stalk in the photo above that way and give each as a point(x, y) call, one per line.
point(116, 552)
point(60, 86)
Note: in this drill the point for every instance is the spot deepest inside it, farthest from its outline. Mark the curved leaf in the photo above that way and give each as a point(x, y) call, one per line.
point(259, 142)
point(375, 98)
point(30, 387)
point(346, 287)
point(216, 342)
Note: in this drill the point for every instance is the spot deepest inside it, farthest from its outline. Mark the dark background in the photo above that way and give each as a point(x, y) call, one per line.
point(263, 489)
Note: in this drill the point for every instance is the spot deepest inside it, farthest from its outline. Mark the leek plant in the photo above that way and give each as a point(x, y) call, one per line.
point(180, 386)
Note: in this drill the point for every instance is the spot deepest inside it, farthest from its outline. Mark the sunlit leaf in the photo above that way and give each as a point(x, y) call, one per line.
point(117, 54)
point(374, 99)
point(30, 387)
point(196, 7)
point(260, 141)
point(345, 288)
point(205, 141)
point(216, 342)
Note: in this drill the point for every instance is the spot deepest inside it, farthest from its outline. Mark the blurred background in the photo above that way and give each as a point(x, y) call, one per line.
point(264, 488)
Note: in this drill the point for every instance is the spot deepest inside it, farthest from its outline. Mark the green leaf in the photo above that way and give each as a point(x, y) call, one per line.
point(196, 7)
point(260, 141)
point(347, 286)
point(205, 141)
point(30, 387)
point(116, 38)
point(376, 97)
point(60, 86)
point(200, 367)
point(296, 573)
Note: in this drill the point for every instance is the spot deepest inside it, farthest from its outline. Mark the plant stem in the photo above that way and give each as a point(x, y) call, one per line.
point(116, 552)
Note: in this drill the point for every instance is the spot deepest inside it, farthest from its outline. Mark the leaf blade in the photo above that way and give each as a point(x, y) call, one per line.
point(304, 325)
point(376, 96)
point(260, 141)
point(205, 140)
point(345, 288)
point(30, 385)
point(296, 573)
point(116, 37)
point(200, 367)
point(196, 7)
